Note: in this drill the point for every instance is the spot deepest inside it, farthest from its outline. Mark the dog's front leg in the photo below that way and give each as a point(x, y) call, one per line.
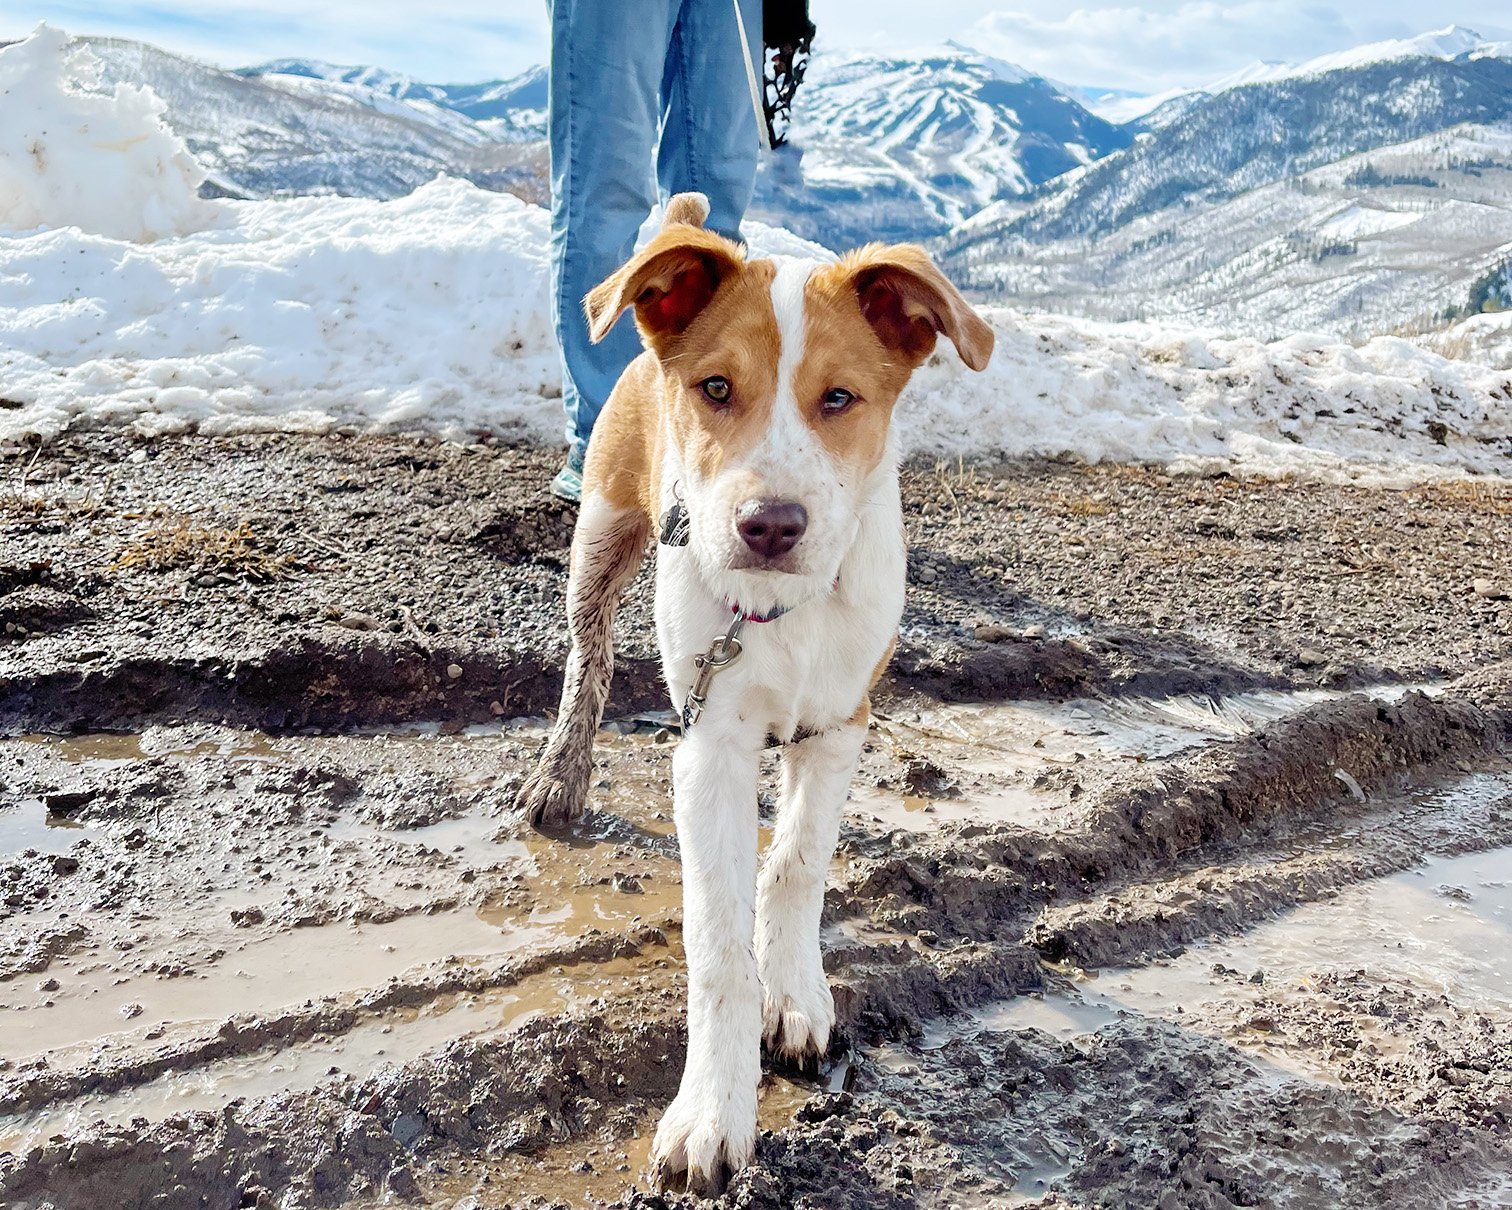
point(798, 1011)
point(709, 1130)
point(607, 547)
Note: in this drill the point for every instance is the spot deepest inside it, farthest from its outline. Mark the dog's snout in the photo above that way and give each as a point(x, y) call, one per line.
point(771, 527)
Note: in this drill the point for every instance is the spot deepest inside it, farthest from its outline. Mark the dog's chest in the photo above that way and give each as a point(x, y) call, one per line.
point(807, 670)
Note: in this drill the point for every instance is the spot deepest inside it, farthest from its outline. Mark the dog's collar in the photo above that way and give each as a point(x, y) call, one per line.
point(746, 615)
point(771, 615)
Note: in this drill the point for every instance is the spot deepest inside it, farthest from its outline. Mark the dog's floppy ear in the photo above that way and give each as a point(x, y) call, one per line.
point(668, 282)
point(907, 301)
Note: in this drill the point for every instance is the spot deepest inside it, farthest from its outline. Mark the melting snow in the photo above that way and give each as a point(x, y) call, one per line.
point(71, 155)
point(138, 304)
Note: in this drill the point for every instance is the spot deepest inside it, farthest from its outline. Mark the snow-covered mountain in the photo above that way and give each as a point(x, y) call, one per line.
point(1358, 198)
point(513, 110)
point(1399, 238)
point(899, 147)
point(1451, 42)
point(1352, 192)
point(263, 135)
point(902, 146)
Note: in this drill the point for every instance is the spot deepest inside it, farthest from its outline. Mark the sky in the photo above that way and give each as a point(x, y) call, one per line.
point(1144, 47)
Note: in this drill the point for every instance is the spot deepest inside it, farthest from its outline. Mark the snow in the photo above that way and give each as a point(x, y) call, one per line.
point(1447, 43)
point(1259, 71)
point(1307, 405)
point(1451, 42)
point(1354, 221)
point(74, 156)
point(430, 313)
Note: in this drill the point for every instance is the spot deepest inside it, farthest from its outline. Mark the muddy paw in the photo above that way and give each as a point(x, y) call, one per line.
point(796, 1028)
point(549, 802)
point(699, 1144)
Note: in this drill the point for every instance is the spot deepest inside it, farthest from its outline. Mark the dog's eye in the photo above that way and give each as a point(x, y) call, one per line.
point(716, 390)
point(835, 400)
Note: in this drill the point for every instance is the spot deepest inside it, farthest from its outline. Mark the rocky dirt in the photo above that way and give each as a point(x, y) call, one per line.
point(270, 937)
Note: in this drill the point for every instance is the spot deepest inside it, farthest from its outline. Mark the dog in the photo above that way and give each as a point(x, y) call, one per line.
point(753, 436)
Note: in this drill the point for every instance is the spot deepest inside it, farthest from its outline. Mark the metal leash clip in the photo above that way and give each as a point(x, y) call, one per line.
point(722, 652)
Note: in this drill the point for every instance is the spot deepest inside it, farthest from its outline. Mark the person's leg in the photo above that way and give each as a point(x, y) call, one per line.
point(708, 133)
point(607, 61)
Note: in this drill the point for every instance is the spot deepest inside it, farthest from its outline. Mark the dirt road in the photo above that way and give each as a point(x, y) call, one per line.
point(1176, 874)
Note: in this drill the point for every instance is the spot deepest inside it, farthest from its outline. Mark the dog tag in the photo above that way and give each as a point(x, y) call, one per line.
point(674, 529)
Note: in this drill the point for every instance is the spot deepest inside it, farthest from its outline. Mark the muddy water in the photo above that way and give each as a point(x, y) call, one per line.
point(1005, 759)
point(1442, 929)
point(208, 938)
point(379, 1040)
point(412, 868)
point(28, 824)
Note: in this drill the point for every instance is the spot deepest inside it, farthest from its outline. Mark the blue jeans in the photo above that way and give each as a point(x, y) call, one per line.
point(621, 70)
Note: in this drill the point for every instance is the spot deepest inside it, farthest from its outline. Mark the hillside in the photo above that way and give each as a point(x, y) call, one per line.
point(903, 147)
point(269, 136)
point(882, 147)
point(1391, 239)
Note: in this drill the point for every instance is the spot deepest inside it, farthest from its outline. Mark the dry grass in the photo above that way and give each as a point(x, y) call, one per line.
point(183, 544)
point(1085, 506)
point(1471, 495)
point(33, 506)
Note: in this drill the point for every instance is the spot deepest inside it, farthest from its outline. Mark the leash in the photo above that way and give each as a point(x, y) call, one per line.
point(727, 647)
point(757, 106)
point(723, 651)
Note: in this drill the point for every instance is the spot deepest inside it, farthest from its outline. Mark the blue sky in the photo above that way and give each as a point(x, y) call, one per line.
point(1146, 46)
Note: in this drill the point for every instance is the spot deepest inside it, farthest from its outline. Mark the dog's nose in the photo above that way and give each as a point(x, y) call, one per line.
point(771, 527)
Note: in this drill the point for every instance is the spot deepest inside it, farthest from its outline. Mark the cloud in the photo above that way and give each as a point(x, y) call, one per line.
point(1144, 45)
point(1140, 47)
point(444, 40)
point(1147, 45)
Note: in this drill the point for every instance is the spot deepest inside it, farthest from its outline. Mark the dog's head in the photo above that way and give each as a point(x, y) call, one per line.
point(780, 378)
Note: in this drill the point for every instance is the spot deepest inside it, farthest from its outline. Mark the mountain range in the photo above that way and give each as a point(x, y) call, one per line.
point(276, 134)
point(1352, 192)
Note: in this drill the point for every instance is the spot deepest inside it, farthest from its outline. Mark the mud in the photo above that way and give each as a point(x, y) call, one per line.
point(1174, 874)
point(286, 581)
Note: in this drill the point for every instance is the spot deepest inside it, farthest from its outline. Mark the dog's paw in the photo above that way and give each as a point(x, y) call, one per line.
point(797, 1020)
point(551, 802)
point(703, 1140)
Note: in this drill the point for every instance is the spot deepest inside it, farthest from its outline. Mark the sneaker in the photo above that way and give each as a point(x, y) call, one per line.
point(568, 484)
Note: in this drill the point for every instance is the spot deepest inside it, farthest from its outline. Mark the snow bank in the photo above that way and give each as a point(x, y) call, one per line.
point(1387, 411)
point(430, 313)
point(73, 156)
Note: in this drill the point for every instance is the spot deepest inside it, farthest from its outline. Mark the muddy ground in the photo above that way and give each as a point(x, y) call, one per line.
point(1175, 874)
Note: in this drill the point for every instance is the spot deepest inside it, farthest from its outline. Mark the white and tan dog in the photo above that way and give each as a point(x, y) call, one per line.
point(754, 431)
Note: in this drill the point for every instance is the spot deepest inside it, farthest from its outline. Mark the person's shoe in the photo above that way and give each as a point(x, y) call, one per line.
point(568, 484)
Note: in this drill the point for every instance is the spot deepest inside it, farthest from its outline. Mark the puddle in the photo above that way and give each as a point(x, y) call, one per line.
point(28, 824)
point(474, 837)
point(558, 892)
point(392, 1038)
point(1442, 929)
point(1005, 758)
point(206, 936)
point(93, 1003)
